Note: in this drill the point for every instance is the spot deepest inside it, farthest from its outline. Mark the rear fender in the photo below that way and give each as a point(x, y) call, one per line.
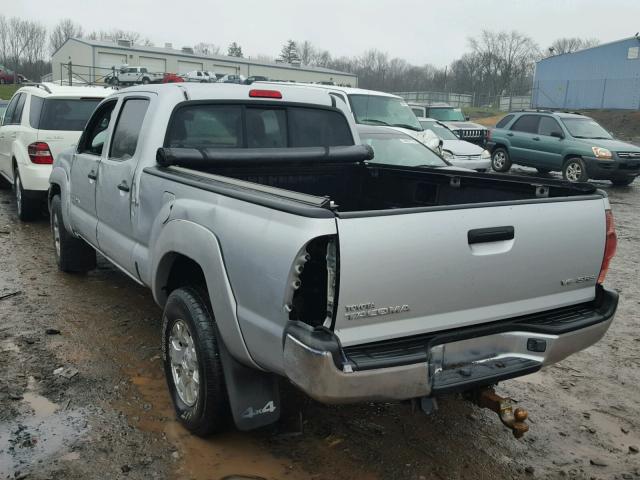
point(182, 237)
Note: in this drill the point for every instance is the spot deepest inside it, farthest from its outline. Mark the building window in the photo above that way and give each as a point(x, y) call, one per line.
point(633, 53)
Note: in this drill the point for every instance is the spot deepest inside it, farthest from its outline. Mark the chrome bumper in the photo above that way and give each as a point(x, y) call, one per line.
point(455, 366)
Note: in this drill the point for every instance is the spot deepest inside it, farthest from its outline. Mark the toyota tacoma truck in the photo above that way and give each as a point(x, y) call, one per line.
point(280, 250)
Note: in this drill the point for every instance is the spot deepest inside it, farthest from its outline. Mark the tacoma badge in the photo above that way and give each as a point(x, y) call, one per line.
point(364, 310)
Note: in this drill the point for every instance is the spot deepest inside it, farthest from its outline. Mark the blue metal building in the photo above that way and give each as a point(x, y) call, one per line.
point(605, 76)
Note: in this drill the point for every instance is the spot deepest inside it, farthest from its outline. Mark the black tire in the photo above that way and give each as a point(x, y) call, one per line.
point(145, 81)
point(500, 160)
point(4, 183)
point(620, 182)
point(209, 411)
point(73, 255)
point(29, 208)
point(574, 170)
point(543, 171)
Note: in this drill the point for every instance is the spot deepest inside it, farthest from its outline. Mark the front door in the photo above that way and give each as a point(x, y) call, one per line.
point(116, 184)
point(84, 173)
point(549, 148)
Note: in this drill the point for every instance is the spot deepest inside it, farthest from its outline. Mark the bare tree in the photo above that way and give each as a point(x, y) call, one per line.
point(203, 48)
point(571, 44)
point(65, 29)
point(116, 34)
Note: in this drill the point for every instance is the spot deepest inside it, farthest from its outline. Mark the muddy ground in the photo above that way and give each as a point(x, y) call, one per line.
point(90, 402)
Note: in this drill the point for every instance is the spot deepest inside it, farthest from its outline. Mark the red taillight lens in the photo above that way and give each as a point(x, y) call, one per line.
point(39, 153)
point(609, 247)
point(265, 94)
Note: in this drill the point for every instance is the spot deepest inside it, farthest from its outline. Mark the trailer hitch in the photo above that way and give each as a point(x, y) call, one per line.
point(512, 418)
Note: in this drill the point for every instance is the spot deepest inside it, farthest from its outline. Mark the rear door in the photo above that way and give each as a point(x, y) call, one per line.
point(521, 136)
point(8, 133)
point(116, 184)
point(84, 172)
point(406, 274)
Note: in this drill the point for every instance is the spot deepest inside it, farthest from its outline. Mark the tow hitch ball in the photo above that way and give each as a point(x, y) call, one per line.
point(512, 418)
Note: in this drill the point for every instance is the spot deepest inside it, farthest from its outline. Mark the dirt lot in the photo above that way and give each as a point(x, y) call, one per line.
point(107, 414)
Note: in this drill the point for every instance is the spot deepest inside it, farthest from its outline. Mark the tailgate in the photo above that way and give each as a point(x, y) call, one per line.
point(406, 274)
point(58, 140)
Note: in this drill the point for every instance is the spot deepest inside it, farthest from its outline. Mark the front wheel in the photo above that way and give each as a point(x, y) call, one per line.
point(145, 81)
point(574, 170)
point(623, 182)
point(192, 363)
point(73, 255)
point(500, 160)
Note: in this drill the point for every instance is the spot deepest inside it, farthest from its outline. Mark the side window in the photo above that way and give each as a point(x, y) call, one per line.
point(526, 124)
point(199, 74)
point(35, 109)
point(17, 114)
point(8, 115)
point(127, 131)
point(95, 134)
point(548, 125)
point(502, 123)
point(143, 70)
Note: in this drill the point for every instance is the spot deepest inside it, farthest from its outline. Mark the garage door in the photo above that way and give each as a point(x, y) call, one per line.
point(108, 60)
point(184, 67)
point(155, 65)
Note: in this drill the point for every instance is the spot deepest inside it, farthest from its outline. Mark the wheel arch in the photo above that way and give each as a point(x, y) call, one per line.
point(186, 253)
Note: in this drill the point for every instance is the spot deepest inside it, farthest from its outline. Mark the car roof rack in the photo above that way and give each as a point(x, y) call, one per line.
point(44, 86)
point(538, 110)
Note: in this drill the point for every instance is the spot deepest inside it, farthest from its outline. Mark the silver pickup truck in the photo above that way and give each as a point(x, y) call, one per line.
point(279, 249)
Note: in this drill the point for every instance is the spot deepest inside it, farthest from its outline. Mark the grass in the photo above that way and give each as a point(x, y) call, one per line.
point(481, 112)
point(7, 91)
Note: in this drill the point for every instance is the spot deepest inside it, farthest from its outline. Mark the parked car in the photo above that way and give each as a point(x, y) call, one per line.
point(41, 121)
point(276, 250)
point(134, 76)
point(458, 152)
point(255, 78)
point(3, 107)
point(172, 78)
point(199, 76)
point(393, 147)
point(231, 78)
point(7, 76)
point(571, 143)
point(455, 120)
point(370, 107)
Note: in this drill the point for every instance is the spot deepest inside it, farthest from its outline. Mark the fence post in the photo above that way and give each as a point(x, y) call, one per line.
point(70, 72)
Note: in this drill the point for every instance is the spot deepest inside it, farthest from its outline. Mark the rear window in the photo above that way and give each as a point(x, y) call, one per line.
point(502, 123)
point(238, 126)
point(63, 114)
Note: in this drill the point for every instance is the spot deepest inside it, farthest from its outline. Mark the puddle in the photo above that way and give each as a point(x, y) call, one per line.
point(44, 430)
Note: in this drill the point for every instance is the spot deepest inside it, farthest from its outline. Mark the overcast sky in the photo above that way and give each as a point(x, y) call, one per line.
point(421, 31)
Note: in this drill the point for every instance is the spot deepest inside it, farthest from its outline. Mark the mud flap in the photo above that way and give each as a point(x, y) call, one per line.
point(254, 396)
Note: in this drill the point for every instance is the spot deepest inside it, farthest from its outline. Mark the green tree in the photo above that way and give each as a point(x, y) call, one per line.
point(235, 50)
point(289, 52)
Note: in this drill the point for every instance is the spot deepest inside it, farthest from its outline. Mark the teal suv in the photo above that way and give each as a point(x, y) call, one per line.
point(568, 142)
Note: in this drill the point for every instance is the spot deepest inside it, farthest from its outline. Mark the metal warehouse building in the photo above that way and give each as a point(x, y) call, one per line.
point(606, 76)
point(92, 59)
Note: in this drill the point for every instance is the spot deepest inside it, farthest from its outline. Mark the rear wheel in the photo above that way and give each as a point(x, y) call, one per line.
point(192, 363)
point(28, 207)
point(623, 182)
point(500, 160)
point(72, 254)
point(574, 170)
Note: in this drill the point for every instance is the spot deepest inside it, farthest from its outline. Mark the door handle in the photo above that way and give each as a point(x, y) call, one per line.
point(123, 187)
point(492, 234)
point(536, 138)
point(92, 175)
point(509, 134)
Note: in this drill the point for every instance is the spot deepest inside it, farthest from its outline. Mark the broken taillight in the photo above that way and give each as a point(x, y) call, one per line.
point(40, 153)
point(609, 246)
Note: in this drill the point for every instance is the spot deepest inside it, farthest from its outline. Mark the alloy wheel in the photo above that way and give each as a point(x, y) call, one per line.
point(184, 363)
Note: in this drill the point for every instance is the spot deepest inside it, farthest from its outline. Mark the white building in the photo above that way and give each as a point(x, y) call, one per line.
point(91, 60)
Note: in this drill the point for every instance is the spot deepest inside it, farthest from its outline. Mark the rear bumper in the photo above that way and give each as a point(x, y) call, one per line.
point(444, 362)
point(611, 169)
point(35, 178)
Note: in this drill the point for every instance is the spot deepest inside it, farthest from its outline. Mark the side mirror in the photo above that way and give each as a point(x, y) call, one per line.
point(466, 118)
point(557, 135)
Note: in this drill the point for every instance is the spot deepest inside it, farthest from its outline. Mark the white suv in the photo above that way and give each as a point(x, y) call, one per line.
point(39, 123)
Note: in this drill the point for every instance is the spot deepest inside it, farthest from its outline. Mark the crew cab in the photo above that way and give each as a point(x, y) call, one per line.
point(127, 75)
point(279, 249)
point(39, 122)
